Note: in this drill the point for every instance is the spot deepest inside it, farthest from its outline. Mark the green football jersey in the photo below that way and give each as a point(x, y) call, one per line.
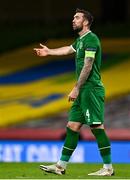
point(88, 45)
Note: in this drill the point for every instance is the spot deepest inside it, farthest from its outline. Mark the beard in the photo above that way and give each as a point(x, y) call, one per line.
point(77, 29)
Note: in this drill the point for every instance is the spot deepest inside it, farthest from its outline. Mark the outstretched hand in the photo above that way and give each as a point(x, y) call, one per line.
point(43, 51)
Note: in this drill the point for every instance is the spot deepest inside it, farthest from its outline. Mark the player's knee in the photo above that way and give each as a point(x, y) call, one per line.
point(94, 126)
point(75, 126)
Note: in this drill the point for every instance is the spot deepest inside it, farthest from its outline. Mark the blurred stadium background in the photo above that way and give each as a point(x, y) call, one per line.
point(33, 90)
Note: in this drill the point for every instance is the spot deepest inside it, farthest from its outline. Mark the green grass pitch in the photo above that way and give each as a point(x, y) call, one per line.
point(74, 171)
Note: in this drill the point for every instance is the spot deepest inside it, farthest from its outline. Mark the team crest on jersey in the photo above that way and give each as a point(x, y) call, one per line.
point(80, 45)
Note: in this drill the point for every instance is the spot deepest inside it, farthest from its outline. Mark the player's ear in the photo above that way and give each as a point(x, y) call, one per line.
point(85, 22)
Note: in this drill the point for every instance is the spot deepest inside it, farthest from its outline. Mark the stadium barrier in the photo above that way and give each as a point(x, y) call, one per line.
point(45, 145)
point(57, 134)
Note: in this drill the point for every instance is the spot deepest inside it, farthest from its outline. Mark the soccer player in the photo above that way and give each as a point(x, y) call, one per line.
point(87, 94)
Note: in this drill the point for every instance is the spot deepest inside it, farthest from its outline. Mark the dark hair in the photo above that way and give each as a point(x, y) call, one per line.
point(87, 15)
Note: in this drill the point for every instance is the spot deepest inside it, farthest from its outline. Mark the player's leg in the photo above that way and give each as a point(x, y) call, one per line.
point(105, 150)
point(70, 144)
point(71, 140)
point(76, 119)
point(93, 107)
point(72, 136)
point(97, 128)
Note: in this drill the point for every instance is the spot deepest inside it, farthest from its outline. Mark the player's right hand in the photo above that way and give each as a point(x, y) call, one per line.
point(43, 51)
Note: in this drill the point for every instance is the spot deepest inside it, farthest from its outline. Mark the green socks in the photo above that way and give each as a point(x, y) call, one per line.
point(70, 144)
point(103, 144)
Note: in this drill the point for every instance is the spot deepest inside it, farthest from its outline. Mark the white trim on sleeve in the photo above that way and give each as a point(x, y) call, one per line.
point(72, 48)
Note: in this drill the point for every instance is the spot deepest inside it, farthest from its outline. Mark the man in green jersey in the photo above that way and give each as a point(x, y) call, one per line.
point(87, 95)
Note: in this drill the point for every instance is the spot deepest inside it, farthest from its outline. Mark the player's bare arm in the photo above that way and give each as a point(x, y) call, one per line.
point(45, 51)
point(88, 63)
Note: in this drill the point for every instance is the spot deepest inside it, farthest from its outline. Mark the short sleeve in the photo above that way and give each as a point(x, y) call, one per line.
point(90, 50)
point(73, 46)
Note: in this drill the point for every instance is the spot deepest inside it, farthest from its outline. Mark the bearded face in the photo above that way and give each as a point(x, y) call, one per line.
point(78, 22)
point(77, 28)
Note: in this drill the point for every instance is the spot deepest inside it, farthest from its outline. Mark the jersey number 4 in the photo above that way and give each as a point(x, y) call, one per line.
point(88, 114)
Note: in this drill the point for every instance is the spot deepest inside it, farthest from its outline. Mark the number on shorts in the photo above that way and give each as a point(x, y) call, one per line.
point(88, 114)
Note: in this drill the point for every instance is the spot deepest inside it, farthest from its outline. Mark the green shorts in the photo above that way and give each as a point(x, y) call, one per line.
point(88, 108)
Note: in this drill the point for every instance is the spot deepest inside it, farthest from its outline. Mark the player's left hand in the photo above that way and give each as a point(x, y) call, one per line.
point(73, 94)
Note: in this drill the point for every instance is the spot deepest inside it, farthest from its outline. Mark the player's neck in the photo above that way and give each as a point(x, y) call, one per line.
point(84, 31)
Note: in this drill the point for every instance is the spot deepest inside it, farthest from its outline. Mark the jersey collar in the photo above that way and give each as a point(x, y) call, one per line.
point(84, 34)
